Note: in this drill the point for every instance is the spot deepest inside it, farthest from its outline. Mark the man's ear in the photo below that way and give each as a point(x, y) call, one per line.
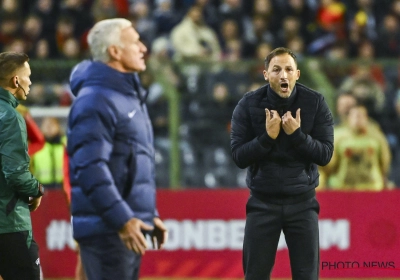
point(265, 74)
point(13, 82)
point(114, 52)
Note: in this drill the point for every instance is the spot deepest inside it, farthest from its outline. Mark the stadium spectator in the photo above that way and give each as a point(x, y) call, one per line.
point(9, 29)
point(213, 117)
point(35, 136)
point(291, 28)
point(165, 17)
point(259, 26)
point(103, 9)
point(262, 50)
point(298, 46)
point(122, 7)
point(388, 44)
point(257, 31)
point(65, 29)
point(157, 100)
point(143, 21)
point(231, 9)
point(210, 13)
point(41, 49)
point(193, 39)
point(366, 50)
point(16, 45)
point(323, 24)
point(111, 155)
point(363, 20)
point(70, 49)
point(47, 163)
point(79, 12)
point(361, 159)
point(395, 8)
point(301, 10)
point(337, 52)
point(366, 55)
point(344, 102)
point(46, 94)
point(331, 18)
point(233, 51)
point(229, 32)
point(366, 89)
point(268, 10)
point(330, 26)
point(31, 31)
point(10, 7)
point(48, 12)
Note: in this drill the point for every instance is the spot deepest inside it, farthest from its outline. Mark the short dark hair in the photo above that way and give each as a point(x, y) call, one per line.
point(10, 62)
point(276, 52)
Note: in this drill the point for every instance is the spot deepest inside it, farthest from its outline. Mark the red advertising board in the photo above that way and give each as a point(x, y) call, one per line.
point(359, 235)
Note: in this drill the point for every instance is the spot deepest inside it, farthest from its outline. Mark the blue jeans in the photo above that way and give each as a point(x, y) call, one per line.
point(106, 257)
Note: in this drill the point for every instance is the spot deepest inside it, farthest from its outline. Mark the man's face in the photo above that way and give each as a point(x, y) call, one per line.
point(196, 15)
point(344, 104)
point(282, 74)
point(50, 127)
point(23, 74)
point(132, 52)
point(358, 118)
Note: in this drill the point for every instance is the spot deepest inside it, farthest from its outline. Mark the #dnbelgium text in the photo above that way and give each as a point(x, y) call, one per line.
point(357, 265)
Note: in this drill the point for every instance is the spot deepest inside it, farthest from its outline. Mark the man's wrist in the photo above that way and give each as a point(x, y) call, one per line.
point(40, 190)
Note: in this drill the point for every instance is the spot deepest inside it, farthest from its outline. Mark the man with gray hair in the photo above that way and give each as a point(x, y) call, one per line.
point(111, 155)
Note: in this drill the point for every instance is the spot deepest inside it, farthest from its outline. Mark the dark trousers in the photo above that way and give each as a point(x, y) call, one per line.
point(17, 260)
point(264, 223)
point(107, 258)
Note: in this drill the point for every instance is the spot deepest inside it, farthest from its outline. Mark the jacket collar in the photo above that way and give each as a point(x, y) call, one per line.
point(90, 73)
point(8, 97)
point(278, 102)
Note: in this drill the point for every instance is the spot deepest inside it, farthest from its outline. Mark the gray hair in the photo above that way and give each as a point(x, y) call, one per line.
point(106, 33)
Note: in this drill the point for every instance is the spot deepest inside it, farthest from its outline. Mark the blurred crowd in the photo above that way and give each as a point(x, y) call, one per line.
point(193, 31)
point(216, 29)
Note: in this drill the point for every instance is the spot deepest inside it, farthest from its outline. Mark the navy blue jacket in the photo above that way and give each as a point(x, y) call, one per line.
point(110, 149)
point(286, 165)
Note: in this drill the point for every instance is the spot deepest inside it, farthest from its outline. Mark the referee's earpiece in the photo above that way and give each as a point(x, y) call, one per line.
point(21, 87)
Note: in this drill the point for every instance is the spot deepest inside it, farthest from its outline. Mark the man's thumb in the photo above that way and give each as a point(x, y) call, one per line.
point(145, 226)
point(298, 115)
point(267, 114)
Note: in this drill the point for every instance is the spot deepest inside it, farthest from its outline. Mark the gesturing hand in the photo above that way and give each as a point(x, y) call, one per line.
point(272, 123)
point(132, 236)
point(159, 235)
point(34, 203)
point(290, 124)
